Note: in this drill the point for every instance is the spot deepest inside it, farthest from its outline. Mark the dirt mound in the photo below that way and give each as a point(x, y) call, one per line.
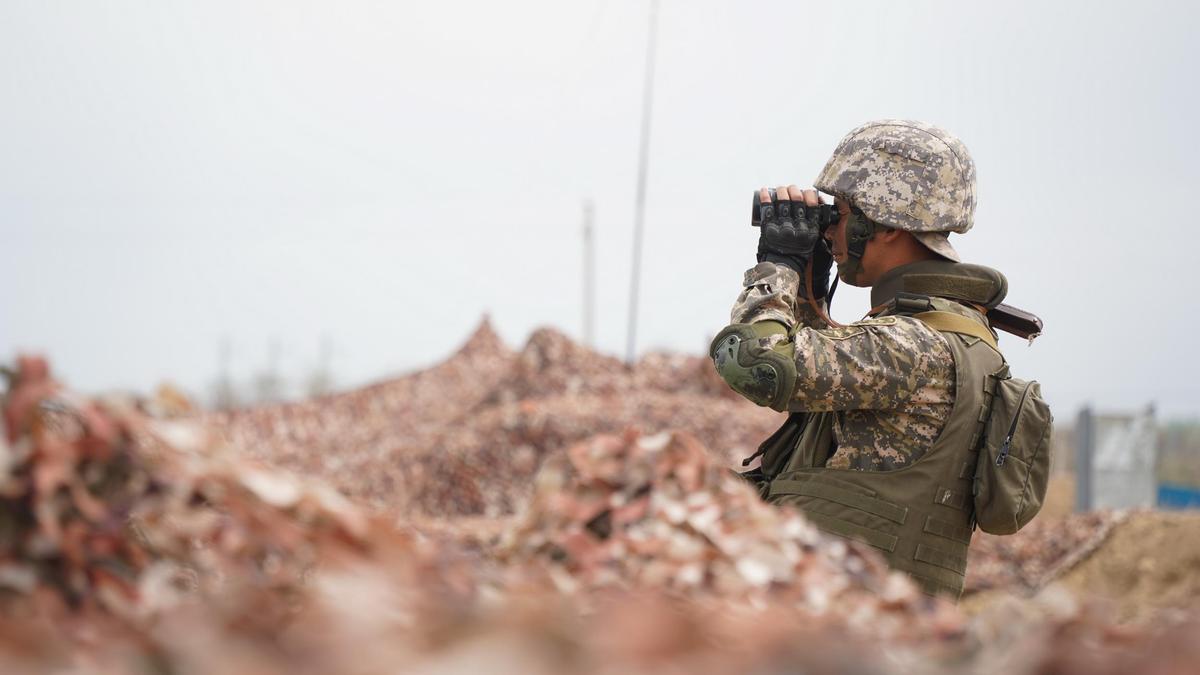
point(466, 436)
point(488, 465)
point(680, 374)
point(553, 364)
point(132, 545)
point(353, 439)
point(136, 545)
point(106, 510)
point(1149, 564)
point(1142, 567)
point(657, 512)
point(1041, 551)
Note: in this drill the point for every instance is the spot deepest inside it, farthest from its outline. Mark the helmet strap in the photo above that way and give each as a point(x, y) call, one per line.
point(859, 230)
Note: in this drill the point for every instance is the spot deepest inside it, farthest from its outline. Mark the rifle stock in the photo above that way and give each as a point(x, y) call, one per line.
point(1016, 321)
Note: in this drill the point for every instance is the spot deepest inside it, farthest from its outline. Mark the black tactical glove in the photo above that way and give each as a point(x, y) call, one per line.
point(791, 235)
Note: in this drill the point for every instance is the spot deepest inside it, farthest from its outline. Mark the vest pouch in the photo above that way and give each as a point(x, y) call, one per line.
point(775, 452)
point(1014, 458)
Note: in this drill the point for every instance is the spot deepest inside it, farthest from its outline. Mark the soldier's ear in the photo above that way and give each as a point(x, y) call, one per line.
point(889, 234)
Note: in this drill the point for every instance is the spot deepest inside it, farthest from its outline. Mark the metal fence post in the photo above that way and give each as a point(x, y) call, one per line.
point(1085, 441)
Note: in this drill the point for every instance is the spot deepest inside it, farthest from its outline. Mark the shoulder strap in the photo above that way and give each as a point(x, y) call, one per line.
point(950, 322)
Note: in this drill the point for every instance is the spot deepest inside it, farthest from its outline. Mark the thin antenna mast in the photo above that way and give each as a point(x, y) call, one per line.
point(640, 203)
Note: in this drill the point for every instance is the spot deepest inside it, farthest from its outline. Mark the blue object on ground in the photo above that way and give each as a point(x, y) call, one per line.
point(1172, 496)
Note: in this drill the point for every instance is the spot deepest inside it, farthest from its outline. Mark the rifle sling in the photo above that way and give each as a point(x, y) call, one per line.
point(954, 323)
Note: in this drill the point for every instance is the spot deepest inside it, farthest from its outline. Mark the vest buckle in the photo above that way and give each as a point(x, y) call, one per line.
point(912, 303)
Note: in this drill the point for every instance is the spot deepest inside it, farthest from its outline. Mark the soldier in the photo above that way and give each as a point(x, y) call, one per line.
point(880, 443)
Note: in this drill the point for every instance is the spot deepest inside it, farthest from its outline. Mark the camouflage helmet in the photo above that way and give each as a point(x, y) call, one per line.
point(906, 175)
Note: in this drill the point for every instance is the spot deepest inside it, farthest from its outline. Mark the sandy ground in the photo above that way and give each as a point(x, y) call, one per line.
point(1150, 564)
point(1147, 566)
point(1147, 569)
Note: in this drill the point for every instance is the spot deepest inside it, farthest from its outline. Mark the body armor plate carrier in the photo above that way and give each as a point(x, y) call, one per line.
point(920, 516)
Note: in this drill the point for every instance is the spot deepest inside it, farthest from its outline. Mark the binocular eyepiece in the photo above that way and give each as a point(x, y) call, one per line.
point(822, 216)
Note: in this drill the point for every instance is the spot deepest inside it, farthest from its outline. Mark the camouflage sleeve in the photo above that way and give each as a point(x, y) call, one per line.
point(876, 364)
point(770, 293)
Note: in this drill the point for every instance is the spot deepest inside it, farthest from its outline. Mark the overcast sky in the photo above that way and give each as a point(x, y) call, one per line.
point(383, 173)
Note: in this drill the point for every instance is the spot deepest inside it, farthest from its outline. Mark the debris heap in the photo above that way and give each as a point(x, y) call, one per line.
point(467, 436)
point(132, 544)
point(1041, 552)
point(105, 510)
point(656, 512)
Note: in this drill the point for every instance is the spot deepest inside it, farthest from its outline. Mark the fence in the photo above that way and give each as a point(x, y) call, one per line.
point(1115, 460)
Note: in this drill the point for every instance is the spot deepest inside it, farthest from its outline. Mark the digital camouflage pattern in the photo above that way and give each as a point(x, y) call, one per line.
point(890, 379)
point(904, 174)
point(770, 294)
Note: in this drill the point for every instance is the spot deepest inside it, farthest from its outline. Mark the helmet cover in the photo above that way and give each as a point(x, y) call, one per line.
point(906, 175)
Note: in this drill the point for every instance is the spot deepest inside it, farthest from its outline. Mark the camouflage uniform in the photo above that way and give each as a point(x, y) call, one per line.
point(889, 379)
point(889, 412)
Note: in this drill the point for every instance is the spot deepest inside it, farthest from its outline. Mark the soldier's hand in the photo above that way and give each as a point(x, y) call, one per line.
point(788, 232)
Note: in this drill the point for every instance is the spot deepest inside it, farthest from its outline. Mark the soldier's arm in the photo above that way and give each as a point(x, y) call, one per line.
point(770, 292)
point(869, 365)
point(753, 353)
point(876, 364)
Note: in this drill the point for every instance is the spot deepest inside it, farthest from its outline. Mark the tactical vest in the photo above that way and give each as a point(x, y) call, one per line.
point(919, 516)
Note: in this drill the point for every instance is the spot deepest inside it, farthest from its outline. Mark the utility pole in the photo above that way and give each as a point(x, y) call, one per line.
point(224, 393)
point(1085, 451)
point(589, 272)
point(640, 201)
point(268, 386)
point(320, 381)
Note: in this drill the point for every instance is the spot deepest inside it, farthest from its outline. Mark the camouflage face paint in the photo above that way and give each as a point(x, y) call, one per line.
point(848, 270)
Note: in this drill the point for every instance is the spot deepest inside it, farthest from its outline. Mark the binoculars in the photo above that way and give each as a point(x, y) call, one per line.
point(822, 216)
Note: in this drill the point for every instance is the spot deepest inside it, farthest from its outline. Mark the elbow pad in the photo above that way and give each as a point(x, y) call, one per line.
point(751, 368)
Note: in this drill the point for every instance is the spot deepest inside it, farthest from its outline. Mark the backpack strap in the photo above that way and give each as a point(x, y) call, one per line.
point(950, 322)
